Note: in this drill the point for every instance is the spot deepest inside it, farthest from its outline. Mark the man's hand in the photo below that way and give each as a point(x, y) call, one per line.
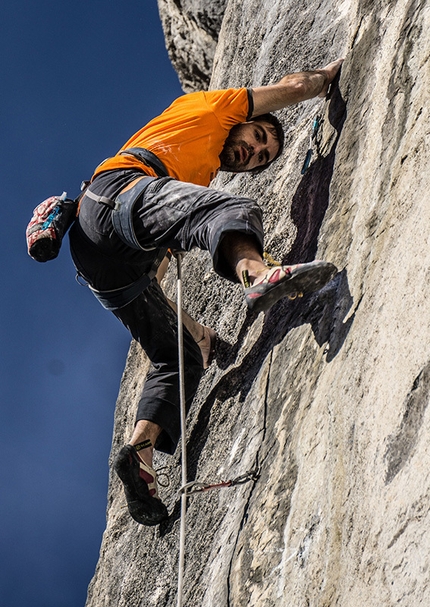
point(330, 71)
point(294, 88)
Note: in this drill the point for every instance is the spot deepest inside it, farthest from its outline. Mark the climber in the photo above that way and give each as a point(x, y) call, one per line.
point(151, 198)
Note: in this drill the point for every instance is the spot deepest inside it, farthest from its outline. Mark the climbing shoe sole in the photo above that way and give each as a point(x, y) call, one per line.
point(142, 506)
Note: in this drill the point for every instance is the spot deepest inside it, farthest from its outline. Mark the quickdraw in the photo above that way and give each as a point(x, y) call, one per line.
point(316, 123)
point(197, 487)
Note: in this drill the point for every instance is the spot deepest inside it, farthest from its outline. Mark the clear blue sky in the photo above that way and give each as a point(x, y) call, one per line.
point(77, 79)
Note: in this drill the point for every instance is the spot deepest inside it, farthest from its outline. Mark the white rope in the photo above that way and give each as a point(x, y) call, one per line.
point(183, 430)
point(193, 487)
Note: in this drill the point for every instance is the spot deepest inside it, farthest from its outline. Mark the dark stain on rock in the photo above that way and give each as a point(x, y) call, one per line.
point(401, 445)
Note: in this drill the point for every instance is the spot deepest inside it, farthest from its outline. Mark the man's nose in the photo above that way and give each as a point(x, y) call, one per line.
point(258, 147)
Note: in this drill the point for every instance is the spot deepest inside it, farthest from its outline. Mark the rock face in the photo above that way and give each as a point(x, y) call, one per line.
point(328, 395)
point(191, 29)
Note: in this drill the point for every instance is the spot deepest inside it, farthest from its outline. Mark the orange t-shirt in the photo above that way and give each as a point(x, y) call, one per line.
point(189, 136)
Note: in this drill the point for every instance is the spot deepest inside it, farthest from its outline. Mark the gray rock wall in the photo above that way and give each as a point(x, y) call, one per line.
point(327, 395)
point(191, 30)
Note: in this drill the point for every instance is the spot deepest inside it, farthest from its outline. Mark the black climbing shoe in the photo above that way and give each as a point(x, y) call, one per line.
point(140, 487)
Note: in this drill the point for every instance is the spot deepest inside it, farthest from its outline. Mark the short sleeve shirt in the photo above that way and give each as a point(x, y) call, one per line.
point(188, 136)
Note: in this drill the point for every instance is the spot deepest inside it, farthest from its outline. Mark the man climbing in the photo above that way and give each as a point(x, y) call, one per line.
point(153, 197)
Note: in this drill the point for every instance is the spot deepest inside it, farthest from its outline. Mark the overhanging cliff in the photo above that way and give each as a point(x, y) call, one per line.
point(327, 395)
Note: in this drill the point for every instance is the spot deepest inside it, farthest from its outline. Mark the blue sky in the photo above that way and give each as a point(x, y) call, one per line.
point(77, 79)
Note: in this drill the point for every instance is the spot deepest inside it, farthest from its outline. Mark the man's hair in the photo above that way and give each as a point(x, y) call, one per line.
point(278, 133)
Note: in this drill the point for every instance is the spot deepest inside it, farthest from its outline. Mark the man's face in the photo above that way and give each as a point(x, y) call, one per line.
point(248, 146)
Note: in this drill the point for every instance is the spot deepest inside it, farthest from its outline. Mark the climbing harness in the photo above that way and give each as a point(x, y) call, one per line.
point(189, 488)
point(149, 159)
point(122, 211)
point(122, 214)
point(316, 123)
point(122, 296)
point(122, 220)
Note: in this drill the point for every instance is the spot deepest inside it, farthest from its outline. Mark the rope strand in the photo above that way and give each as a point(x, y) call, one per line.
point(183, 434)
point(189, 488)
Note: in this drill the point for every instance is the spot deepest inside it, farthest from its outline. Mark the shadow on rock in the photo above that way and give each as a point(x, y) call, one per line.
point(225, 352)
point(324, 311)
point(327, 315)
point(311, 199)
point(167, 526)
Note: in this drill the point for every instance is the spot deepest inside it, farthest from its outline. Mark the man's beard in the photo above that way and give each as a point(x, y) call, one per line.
point(230, 156)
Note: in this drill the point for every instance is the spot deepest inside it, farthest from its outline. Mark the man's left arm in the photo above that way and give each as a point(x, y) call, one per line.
point(294, 88)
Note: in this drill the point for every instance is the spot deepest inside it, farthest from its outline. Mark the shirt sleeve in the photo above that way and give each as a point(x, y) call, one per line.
point(230, 106)
point(250, 104)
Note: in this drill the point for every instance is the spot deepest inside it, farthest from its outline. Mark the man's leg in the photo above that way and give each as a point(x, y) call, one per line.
point(182, 216)
point(242, 252)
point(146, 430)
point(152, 322)
point(264, 286)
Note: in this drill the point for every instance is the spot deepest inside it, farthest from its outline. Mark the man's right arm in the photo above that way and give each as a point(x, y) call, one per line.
point(294, 88)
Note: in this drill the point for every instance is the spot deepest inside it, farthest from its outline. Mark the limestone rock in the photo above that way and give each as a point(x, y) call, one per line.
point(328, 396)
point(191, 30)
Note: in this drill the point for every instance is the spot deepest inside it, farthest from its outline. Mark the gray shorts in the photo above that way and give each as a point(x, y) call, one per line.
point(169, 214)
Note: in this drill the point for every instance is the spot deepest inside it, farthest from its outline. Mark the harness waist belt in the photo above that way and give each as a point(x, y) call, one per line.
point(149, 159)
point(122, 220)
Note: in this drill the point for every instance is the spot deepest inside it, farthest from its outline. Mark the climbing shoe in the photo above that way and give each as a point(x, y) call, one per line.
point(140, 487)
point(287, 281)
